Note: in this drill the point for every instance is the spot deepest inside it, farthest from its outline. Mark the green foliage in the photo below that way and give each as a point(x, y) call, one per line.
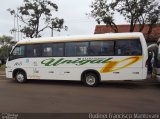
point(6, 46)
point(32, 13)
point(4, 51)
point(2, 68)
point(5, 40)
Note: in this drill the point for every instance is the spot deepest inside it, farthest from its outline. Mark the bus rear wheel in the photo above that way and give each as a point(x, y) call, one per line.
point(20, 77)
point(91, 80)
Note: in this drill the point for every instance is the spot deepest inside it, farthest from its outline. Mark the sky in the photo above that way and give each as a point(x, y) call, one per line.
point(72, 11)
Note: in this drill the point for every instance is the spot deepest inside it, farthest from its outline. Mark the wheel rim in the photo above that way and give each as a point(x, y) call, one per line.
point(20, 77)
point(90, 80)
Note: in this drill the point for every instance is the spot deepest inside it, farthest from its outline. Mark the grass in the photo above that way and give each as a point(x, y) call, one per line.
point(2, 68)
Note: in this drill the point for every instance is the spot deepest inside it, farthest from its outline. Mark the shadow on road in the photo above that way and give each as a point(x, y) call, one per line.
point(51, 82)
point(107, 84)
point(123, 85)
point(157, 85)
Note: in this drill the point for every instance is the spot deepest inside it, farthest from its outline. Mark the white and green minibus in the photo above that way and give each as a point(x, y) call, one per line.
point(89, 58)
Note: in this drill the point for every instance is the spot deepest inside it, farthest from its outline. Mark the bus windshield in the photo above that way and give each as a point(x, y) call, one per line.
point(17, 52)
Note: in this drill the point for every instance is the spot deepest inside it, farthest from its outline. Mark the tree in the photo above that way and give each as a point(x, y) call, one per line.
point(152, 19)
point(32, 14)
point(137, 11)
point(6, 46)
point(134, 11)
point(5, 40)
point(56, 24)
point(102, 12)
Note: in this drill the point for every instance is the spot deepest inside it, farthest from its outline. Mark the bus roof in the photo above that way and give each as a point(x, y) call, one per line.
point(107, 36)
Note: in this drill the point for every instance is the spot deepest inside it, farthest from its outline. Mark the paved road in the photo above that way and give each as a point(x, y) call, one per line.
point(68, 97)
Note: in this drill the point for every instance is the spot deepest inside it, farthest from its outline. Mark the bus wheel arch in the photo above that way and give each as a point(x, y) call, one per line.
point(20, 75)
point(90, 77)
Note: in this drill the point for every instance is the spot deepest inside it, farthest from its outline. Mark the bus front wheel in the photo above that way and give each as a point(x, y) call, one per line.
point(91, 79)
point(20, 77)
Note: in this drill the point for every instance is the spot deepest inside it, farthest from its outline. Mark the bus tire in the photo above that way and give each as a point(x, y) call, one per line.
point(20, 77)
point(91, 79)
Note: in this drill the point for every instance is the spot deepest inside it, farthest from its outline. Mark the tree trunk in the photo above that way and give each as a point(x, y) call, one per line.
point(141, 24)
point(132, 25)
point(149, 31)
point(114, 27)
point(37, 27)
point(51, 32)
point(141, 27)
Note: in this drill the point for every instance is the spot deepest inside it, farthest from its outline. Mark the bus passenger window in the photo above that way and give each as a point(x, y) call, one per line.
point(70, 49)
point(101, 48)
point(58, 50)
point(128, 47)
point(77, 49)
point(47, 50)
point(33, 50)
point(81, 48)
